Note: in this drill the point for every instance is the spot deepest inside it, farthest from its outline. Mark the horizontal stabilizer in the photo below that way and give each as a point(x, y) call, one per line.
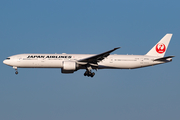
point(168, 58)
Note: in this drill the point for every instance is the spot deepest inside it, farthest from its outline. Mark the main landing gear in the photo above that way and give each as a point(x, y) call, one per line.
point(88, 72)
point(16, 70)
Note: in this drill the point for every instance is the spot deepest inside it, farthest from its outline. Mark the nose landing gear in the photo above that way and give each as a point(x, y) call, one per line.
point(16, 70)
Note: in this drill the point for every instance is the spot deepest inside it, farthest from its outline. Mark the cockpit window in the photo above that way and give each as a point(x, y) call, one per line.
point(7, 58)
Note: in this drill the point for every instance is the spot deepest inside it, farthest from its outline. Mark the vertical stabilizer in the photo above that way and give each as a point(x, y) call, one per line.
point(161, 47)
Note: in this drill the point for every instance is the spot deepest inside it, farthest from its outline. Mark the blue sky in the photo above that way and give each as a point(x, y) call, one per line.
point(84, 26)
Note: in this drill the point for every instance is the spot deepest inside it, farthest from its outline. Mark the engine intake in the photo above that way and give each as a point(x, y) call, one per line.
point(69, 67)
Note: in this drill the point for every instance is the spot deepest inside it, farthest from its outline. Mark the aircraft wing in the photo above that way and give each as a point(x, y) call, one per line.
point(96, 58)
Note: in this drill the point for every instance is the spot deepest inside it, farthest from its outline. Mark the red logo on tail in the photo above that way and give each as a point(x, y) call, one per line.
point(160, 48)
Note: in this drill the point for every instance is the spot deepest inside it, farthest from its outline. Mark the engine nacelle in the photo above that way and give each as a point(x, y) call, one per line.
point(69, 67)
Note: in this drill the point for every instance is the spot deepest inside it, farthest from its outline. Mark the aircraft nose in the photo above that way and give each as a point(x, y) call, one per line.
point(5, 62)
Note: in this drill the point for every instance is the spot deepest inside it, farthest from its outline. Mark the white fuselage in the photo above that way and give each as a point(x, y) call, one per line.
point(56, 61)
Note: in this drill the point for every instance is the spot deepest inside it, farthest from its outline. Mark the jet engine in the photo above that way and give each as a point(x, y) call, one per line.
point(69, 67)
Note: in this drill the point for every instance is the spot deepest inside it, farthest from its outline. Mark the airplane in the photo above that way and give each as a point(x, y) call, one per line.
point(69, 63)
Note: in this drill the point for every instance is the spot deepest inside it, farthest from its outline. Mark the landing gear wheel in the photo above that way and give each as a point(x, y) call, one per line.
point(86, 73)
point(92, 74)
point(16, 72)
point(89, 74)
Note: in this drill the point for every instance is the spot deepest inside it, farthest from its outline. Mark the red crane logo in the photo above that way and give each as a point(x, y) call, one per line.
point(160, 48)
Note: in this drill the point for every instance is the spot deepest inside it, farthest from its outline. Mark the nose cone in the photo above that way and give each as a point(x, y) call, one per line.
point(5, 62)
point(8, 61)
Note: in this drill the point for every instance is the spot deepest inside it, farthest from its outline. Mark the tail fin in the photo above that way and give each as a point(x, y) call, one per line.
point(160, 48)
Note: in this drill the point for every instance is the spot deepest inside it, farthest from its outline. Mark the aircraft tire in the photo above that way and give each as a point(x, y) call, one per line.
point(92, 74)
